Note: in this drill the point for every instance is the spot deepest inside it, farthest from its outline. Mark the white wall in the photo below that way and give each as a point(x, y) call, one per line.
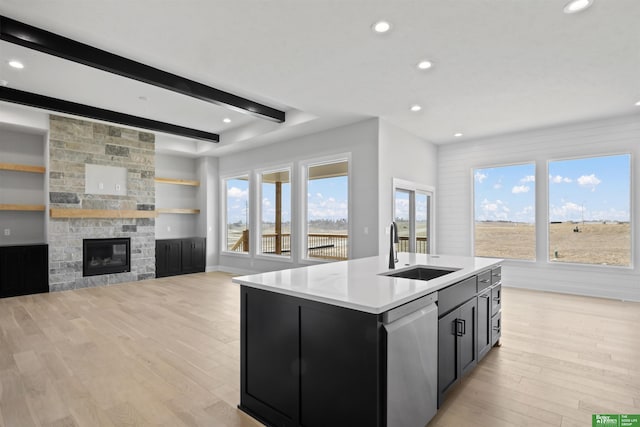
point(170, 226)
point(404, 156)
point(359, 139)
point(208, 202)
point(592, 138)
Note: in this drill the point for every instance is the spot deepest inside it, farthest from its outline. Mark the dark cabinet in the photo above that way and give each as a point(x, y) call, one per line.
point(307, 363)
point(484, 323)
point(180, 256)
point(457, 352)
point(24, 270)
point(193, 259)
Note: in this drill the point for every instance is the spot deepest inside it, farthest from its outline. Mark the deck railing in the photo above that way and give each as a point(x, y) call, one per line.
point(421, 244)
point(321, 245)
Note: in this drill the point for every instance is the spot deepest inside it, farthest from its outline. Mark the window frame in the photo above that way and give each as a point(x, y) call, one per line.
point(535, 208)
point(599, 267)
point(413, 188)
point(257, 241)
point(304, 166)
point(224, 250)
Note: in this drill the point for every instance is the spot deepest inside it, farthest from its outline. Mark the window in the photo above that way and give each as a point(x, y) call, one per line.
point(504, 212)
point(590, 210)
point(275, 212)
point(327, 213)
point(412, 207)
point(237, 222)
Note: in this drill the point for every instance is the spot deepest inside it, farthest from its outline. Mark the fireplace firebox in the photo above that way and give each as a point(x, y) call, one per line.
point(106, 256)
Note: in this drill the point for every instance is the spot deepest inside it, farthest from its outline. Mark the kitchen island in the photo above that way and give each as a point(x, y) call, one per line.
point(335, 344)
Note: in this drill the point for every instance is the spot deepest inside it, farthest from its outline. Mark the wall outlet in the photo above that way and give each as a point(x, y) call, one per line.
point(117, 187)
point(168, 228)
point(366, 230)
point(101, 186)
point(7, 232)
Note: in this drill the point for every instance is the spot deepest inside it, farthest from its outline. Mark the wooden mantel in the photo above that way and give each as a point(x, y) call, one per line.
point(100, 213)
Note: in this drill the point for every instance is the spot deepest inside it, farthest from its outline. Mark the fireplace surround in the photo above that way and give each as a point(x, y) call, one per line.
point(106, 256)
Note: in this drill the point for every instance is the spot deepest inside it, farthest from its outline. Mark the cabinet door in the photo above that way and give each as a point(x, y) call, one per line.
point(162, 262)
point(198, 254)
point(468, 337)
point(36, 266)
point(484, 323)
point(271, 366)
point(174, 257)
point(339, 367)
point(496, 299)
point(496, 328)
point(448, 366)
point(12, 271)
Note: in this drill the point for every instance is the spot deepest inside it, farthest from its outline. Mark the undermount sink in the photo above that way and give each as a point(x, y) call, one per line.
point(420, 273)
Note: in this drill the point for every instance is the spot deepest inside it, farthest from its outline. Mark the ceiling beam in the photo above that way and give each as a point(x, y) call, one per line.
point(54, 104)
point(31, 37)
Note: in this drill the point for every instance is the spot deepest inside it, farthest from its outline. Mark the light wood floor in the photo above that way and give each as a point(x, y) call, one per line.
point(166, 352)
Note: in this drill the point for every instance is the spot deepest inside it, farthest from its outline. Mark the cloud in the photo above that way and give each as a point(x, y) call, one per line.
point(520, 189)
point(480, 177)
point(558, 179)
point(498, 185)
point(327, 208)
point(493, 211)
point(568, 211)
point(237, 193)
point(528, 178)
point(589, 181)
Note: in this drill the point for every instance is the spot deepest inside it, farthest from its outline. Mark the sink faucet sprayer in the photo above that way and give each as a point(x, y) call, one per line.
point(393, 241)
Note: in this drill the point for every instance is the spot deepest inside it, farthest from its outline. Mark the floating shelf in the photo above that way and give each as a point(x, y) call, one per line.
point(191, 182)
point(34, 208)
point(177, 211)
point(100, 213)
point(22, 168)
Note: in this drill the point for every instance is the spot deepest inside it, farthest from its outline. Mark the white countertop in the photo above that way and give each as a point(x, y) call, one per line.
point(358, 285)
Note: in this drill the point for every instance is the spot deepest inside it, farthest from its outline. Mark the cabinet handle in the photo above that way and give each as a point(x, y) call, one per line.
point(484, 296)
point(458, 328)
point(484, 281)
point(497, 329)
point(497, 274)
point(464, 326)
point(497, 299)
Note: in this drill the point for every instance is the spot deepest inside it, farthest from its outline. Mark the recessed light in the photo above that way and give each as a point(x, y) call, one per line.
point(457, 134)
point(16, 64)
point(4, 83)
point(424, 65)
point(638, 104)
point(416, 108)
point(575, 6)
point(142, 98)
point(381, 27)
point(226, 120)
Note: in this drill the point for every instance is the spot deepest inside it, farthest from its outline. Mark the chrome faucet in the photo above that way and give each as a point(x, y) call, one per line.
point(393, 240)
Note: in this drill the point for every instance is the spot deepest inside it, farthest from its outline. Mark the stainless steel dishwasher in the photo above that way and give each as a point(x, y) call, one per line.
point(412, 362)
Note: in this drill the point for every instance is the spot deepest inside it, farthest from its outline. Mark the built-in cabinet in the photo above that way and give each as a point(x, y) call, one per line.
point(24, 269)
point(180, 256)
point(469, 325)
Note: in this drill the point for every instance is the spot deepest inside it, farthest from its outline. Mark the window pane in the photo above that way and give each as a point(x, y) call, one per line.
point(238, 214)
point(422, 223)
point(589, 210)
point(327, 211)
point(276, 213)
point(504, 208)
point(403, 219)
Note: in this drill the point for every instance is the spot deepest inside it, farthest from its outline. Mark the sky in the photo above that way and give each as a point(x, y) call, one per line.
point(327, 199)
point(597, 188)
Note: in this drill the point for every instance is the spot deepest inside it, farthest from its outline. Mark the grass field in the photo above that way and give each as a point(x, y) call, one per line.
point(596, 243)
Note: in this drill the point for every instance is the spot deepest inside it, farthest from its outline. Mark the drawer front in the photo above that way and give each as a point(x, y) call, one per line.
point(496, 299)
point(496, 328)
point(455, 295)
point(496, 275)
point(484, 280)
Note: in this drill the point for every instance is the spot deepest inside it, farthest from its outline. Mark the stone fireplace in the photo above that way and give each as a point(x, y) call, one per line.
point(73, 144)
